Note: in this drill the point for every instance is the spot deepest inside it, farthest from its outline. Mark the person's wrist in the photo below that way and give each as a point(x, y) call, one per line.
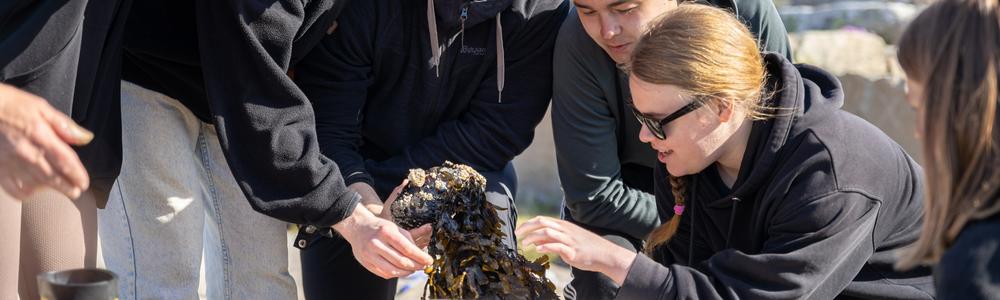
point(369, 198)
point(348, 226)
point(618, 264)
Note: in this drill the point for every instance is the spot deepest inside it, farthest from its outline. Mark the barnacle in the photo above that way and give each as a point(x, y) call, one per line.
point(416, 177)
point(471, 260)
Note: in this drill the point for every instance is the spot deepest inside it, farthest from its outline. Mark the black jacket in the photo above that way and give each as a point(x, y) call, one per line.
point(971, 266)
point(382, 107)
point(227, 61)
point(822, 203)
point(69, 52)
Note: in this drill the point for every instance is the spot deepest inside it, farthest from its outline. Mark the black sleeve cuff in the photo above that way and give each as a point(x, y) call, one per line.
point(341, 208)
point(646, 279)
point(356, 177)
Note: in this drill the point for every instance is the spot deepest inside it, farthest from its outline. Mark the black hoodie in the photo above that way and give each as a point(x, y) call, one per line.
point(822, 203)
point(383, 106)
point(227, 61)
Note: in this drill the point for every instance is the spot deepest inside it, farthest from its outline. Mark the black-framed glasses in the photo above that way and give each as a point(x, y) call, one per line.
point(656, 126)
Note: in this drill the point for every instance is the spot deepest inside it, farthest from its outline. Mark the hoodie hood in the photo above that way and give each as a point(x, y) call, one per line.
point(790, 85)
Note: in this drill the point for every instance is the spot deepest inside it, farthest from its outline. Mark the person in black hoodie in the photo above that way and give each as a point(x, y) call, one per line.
point(220, 150)
point(411, 84)
point(769, 189)
point(951, 56)
point(49, 51)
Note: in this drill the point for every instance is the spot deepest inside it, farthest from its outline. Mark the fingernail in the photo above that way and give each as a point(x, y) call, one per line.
point(82, 135)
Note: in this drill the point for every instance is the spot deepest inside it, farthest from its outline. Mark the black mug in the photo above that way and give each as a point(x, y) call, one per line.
point(82, 284)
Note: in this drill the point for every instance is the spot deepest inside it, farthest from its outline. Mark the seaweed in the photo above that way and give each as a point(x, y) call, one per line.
point(470, 258)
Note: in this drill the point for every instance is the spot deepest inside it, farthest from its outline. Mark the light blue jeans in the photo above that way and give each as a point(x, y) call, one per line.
point(175, 201)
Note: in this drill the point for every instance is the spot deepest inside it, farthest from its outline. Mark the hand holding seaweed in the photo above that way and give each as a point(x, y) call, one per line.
point(470, 259)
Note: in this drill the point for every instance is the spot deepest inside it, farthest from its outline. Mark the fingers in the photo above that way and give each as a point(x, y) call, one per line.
point(63, 187)
point(64, 127)
point(549, 236)
point(71, 179)
point(402, 242)
point(397, 260)
point(60, 164)
point(393, 254)
point(396, 191)
point(545, 236)
point(422, 235)
point(15, 187)
point(386, 212)
point(537, 223)
point(33, 146)
point(378, 265)
point(567, 253)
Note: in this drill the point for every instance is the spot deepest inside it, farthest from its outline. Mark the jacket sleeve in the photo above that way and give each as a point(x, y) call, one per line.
point(815, 249)
point(584, 132)
point(491, 132)
point(336, 76)
point(265, 124)
point(761, 16)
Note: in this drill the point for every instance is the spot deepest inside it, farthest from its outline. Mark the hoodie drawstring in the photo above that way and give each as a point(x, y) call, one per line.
point(500, 60)
point(729, 232)
point(436, 46)
point(433, 30)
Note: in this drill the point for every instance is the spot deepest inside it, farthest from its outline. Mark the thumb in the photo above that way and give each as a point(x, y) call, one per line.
point(422, 230)
point(392, 196)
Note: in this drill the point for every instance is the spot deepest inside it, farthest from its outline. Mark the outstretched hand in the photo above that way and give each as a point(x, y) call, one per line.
point(577, 246)
point(35, 150)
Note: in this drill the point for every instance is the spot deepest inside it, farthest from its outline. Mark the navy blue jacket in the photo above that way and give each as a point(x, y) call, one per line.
point(382, 108)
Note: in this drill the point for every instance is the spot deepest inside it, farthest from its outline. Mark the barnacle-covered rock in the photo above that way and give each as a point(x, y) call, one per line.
point(424, 198)
point(470, 258)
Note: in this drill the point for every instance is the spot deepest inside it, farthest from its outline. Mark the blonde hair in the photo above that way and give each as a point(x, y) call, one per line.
point(951, 49)
point(707, 52)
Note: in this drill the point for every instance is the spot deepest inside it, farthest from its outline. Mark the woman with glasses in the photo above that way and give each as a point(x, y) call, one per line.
point(767, 189)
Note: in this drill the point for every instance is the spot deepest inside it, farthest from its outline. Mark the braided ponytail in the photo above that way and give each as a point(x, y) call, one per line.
point(666, 231)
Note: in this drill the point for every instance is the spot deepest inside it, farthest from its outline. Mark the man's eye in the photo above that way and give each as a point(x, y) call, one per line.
point(626, 10)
